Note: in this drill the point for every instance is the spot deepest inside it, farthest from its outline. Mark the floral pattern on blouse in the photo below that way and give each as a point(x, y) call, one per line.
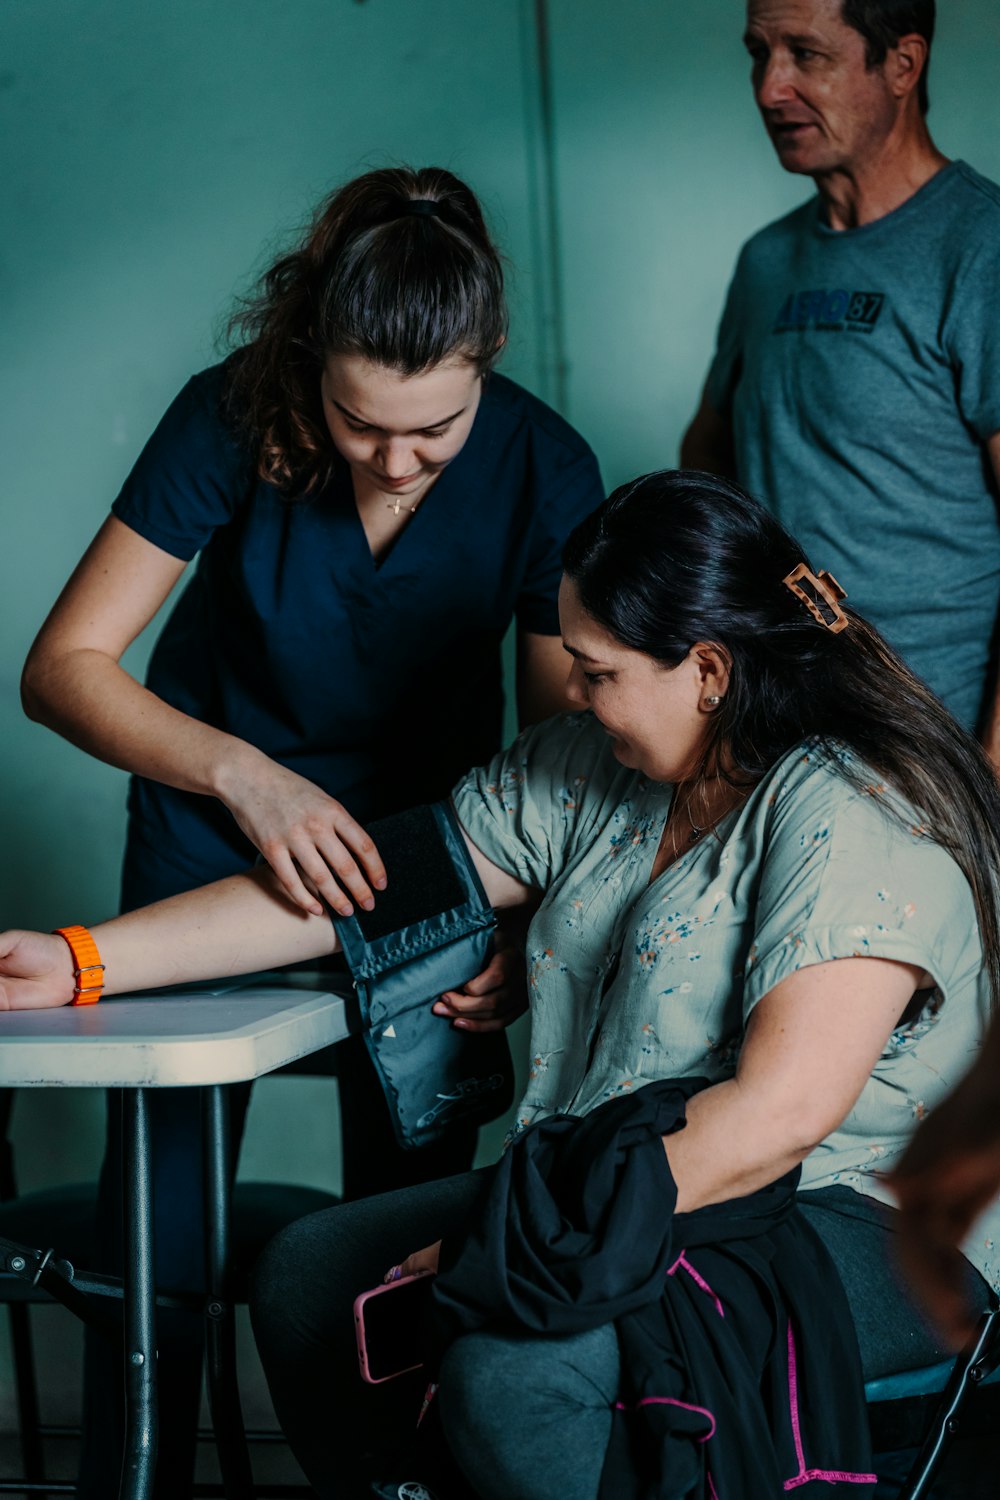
point(633, 980)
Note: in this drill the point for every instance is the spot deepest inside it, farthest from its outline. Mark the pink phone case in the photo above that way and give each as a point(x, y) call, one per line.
point(359, 1328)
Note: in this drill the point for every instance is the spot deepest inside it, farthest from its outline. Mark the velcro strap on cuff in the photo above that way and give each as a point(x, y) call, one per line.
point(433, 904)
point(430, 931)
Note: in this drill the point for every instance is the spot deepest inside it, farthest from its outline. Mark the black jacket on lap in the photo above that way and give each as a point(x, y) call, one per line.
point(741, 1376)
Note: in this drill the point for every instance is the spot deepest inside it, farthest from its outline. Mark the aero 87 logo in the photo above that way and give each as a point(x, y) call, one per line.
point(835, 311)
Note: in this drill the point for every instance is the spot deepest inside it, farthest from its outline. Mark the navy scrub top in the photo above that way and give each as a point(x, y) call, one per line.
point(380, 683)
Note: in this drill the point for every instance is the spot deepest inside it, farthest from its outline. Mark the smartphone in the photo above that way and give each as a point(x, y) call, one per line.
point(392, 1325)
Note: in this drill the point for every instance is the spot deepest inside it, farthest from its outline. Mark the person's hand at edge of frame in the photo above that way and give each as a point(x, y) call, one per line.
point(421, 1262)
point(36, 971)
point(494, 998)
point(949, 1174)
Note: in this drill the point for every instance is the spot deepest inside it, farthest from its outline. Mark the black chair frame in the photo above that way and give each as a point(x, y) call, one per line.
point(32, 1275)
point(973, 1365)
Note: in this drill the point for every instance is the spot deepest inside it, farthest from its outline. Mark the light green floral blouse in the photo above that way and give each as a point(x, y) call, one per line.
point(632, 981)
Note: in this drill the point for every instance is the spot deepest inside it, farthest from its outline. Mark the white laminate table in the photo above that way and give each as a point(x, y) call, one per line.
point(205, 1038)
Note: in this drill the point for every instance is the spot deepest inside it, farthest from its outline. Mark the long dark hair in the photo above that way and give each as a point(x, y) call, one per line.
point(371, 277)
point(680, 557)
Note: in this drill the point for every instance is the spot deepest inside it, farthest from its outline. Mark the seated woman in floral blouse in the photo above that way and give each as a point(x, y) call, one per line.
point(768, 857)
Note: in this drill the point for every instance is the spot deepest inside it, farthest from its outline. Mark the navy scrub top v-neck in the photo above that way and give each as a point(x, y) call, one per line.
point(380, 683)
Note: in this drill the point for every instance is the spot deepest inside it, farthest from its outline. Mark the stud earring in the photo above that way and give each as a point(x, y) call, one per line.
point(712, 701)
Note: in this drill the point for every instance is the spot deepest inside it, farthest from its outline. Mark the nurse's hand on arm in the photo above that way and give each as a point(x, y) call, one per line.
point(74, 684)
point(708, 442)
point(810, 1046)
point(991, 726)
point(948, 1176)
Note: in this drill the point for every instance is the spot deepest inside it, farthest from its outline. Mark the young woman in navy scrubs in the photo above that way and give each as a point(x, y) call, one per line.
point(372, 508)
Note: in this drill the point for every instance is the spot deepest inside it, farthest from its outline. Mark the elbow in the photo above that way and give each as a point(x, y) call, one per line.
point(35, 699)
point(805, 1125)
point(809, 1134)
point(31, 701)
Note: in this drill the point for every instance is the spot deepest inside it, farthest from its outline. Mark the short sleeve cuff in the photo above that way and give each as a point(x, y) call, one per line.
point(181, 548)
point(987, 422)
point(479, 808)
point(802, 950)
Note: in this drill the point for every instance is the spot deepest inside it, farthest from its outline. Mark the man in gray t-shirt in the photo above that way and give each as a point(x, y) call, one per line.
point(856, 383)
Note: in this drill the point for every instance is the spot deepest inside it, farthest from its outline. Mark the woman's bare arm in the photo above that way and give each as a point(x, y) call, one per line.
point(234, 926)
point(810, 1046)
point(501, 889)
point(73, 683)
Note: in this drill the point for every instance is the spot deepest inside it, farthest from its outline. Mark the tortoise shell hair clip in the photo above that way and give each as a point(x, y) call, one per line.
point(821, 595)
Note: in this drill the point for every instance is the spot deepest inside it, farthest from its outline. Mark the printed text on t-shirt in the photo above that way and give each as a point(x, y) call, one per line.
point(830, 311)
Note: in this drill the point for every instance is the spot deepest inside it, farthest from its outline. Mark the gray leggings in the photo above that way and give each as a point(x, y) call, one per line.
point(509, 1405)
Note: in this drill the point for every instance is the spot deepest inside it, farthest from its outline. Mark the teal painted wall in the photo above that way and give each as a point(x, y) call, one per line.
point(154, 156)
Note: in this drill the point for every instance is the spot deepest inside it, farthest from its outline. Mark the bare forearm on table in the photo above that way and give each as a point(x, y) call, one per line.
point(233, 926)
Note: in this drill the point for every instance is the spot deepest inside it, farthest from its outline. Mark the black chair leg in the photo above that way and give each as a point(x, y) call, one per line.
point(22, 1348)
point(27, 1393)
point(220, 1340)
point(972, 1366)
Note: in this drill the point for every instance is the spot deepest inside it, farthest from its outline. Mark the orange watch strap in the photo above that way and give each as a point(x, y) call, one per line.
point(87, 964)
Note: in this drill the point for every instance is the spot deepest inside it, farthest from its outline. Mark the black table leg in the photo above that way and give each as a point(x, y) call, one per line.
point(223, 1389)
point(140, 1301)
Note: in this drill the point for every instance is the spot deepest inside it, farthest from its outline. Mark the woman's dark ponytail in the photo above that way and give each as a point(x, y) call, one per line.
point(371, 277)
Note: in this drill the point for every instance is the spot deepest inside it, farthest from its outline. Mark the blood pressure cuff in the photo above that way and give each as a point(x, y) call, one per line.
point(430, 931)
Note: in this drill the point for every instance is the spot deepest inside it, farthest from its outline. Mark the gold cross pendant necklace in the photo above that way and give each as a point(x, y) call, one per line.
point(397, 505)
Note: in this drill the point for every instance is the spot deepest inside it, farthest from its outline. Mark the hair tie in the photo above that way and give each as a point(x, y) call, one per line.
point(421, 207)
point(821, 595)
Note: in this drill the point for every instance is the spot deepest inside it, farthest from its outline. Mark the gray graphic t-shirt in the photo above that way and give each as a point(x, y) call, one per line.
point(861, 372)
